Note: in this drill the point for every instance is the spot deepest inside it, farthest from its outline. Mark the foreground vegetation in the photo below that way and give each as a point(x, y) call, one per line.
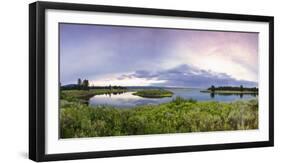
point(177, 116)
point(154, 93)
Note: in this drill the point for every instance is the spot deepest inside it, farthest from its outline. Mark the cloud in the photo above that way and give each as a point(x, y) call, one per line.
point(89, 51)
point(236, 52)
point(97, 52)
point(189, 76)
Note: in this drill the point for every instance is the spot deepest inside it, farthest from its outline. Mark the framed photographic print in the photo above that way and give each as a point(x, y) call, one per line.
point(118, 81)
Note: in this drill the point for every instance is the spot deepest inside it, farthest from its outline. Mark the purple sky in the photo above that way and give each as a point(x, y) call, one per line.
point(138, 56)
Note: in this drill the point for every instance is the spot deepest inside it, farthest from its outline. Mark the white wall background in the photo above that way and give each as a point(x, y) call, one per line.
point(14, 72)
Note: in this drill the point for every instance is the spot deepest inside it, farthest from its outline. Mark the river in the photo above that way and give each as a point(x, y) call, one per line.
point(127, 99)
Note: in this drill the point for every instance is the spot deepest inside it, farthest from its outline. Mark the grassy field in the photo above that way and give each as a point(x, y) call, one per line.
point(154, 93)
point(177, 116)
point(84, 95)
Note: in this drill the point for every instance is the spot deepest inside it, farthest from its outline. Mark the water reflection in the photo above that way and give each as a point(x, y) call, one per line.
point(127, 99)
point(213, 95)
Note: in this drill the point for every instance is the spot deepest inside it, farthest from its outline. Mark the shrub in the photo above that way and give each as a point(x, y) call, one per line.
point(177, 116)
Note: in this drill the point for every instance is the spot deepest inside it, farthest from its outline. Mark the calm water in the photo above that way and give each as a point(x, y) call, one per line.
point(129, 100)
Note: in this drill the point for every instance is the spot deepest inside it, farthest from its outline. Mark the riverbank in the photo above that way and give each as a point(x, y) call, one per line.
point(84, 95)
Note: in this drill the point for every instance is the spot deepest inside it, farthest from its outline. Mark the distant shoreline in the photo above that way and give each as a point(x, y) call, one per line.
point(229, 92)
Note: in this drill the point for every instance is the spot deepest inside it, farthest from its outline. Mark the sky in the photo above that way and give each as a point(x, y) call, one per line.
point(138, 56)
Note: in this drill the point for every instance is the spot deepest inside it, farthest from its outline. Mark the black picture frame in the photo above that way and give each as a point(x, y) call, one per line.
point(37, 78)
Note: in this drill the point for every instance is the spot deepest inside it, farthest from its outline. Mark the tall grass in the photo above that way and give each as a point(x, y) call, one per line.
point(177, 116)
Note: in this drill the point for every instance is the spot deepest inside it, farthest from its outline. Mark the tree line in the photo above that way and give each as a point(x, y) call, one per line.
point(230, 88)
point(85, 85)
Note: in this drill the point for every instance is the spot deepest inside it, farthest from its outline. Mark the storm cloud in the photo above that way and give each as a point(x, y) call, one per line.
point(190, 76)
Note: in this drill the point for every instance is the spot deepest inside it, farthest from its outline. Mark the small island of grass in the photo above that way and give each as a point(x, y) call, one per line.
point(154, 93)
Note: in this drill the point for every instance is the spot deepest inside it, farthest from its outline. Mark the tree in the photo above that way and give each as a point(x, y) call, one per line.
point(241, 88)
point(212, 88)
point(85, 84)
point(79, 82)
